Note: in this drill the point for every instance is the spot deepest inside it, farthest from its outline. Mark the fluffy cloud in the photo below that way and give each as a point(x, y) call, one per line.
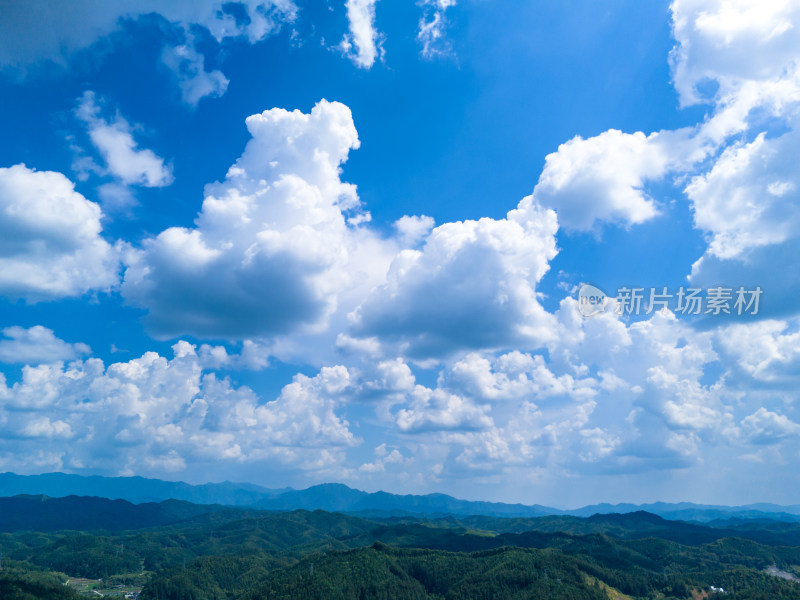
point(748, 204)
point(766, 427)
point(767, 351)
point(154, 415)
point(363, 35)
point(750, 197)
point(37, 345)
point(513, 376)
point(413, 229)
point(486, 414)
point(275, 242)
point(471, 285)
point(722, 45)
point(654, 400)
point(50, 242)
point(440, 410)
point(603, 178)
point(744, 61)
point(120, 151)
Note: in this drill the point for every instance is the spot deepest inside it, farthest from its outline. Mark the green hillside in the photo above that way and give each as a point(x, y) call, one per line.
point(245, 554)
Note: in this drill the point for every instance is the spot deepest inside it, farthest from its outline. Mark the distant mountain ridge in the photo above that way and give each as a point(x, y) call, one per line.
point(341, 498)
point(336, 497)
point(175, 517)
point(134, 489)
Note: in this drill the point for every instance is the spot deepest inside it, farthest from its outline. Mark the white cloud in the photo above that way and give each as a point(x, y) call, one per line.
point(272, 244)
point(746, 203)
point(253, 356)
point(471, 285)
point(767, 351)
point(363, 35)
point(432, 26)
point(382, 458)
point(120, 151)
point(189, 67)
point(731, 43)
point(741, 58)
point(413, 229)
point(50, 242)
point(766, 427)
point(684, 402)
point(154, 415)
point(749, 198)
point(603, 178)
point(513, 376)
point(281, 249)
point(653, 400)
point(436, 410)
point(36, 345)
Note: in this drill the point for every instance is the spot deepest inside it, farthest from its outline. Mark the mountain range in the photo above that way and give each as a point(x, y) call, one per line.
point(337, 497)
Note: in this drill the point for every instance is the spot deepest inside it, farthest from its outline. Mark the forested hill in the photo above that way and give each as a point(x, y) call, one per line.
point(178, 551)
point(41, 513)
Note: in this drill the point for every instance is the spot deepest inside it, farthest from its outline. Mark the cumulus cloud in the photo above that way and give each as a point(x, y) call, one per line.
point(767, 351)
point(653, 398)
point(471, 285)
point(750, 196)
point(741, 59)
point(274, 244)
point(156, 415)
point(603, 178)
point(766, 427)
point(720, 46)
point(744, 62)
point(748, 204)
point(50, 238)
point(439, 410)
point(362, 44)
point(36, 345)
point(513, 376)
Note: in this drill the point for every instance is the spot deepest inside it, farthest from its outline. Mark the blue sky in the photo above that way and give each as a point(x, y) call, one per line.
point(297, 242)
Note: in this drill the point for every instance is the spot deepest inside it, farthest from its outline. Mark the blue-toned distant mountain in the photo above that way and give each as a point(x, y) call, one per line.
point(688, 511)
point(134, 489)
point(341, 498)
